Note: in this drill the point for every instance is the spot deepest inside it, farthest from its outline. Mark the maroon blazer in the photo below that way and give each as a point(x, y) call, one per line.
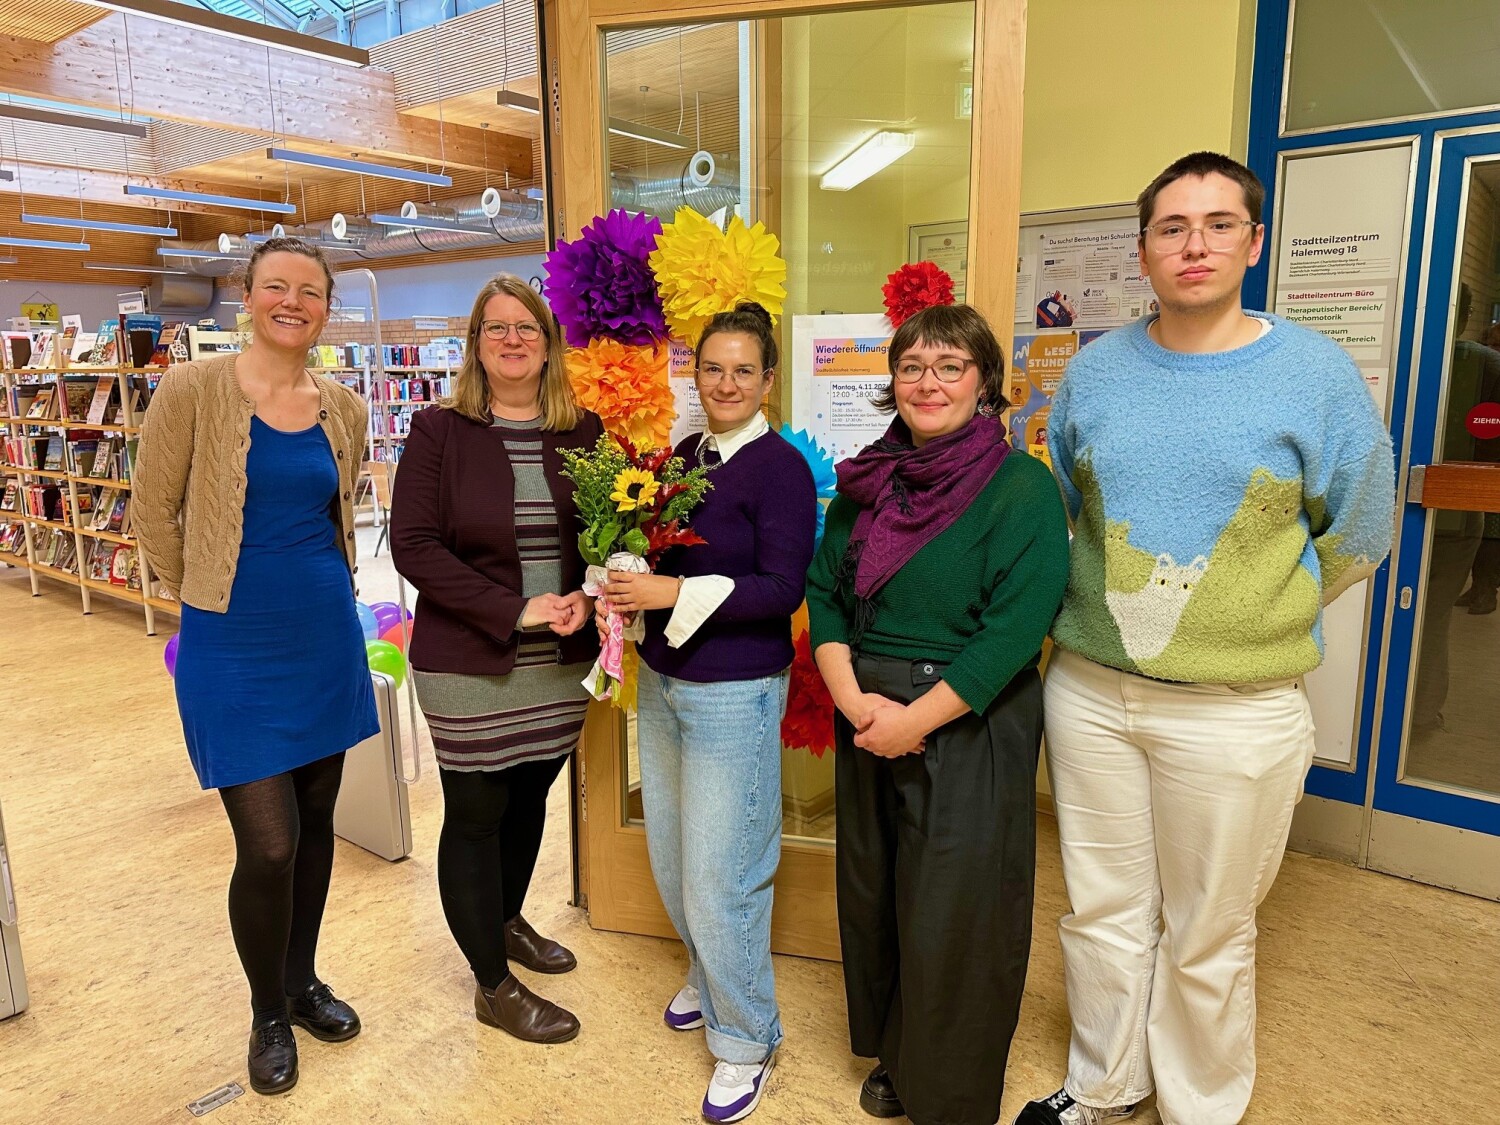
point(453, 537)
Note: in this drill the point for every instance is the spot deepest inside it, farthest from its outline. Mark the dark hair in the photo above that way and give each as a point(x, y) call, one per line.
point(751, 319)
point(286, 246)
point(1203, 164)
point(954, 326)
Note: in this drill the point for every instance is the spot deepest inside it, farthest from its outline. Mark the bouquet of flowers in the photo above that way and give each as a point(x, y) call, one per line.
point(634, 505)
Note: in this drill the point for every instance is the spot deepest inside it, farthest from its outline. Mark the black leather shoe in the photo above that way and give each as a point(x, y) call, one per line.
point(273, 1058)
point(323, 1014)
point(531, 950)
point(877, 1096)
point(515, 1008)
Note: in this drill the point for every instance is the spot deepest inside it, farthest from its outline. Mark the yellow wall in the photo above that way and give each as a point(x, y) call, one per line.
point(1116, 90)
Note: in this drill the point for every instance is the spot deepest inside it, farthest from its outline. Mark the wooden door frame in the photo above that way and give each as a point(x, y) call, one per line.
point(614, 871)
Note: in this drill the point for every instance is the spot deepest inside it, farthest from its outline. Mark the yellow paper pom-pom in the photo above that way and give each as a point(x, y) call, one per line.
point(627, 386)
point(701, 270)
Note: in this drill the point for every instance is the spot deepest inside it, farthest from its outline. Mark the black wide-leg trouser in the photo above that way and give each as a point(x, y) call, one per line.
point(936, 865)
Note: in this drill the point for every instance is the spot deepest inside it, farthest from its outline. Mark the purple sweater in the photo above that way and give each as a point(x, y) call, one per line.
point(760, 519)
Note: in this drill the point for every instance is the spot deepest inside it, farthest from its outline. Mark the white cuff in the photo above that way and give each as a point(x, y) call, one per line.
point(696, 602)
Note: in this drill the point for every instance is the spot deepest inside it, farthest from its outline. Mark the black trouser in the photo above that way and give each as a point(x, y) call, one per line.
point(936, 863)
point(283, 840)
point(492, 832)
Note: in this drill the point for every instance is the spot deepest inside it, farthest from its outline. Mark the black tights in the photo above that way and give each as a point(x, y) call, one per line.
point(283, 838)
point(492, 832)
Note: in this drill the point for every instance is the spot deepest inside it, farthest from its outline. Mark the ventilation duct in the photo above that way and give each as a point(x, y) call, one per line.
point(703, 181)
point(172, 294)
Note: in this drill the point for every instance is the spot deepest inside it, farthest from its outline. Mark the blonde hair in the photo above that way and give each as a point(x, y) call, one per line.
point(471, 394)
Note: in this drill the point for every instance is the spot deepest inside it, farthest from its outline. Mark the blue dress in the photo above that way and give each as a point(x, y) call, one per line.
point(280, 680)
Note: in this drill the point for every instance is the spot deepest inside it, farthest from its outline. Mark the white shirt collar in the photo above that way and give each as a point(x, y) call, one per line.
point(732, 441)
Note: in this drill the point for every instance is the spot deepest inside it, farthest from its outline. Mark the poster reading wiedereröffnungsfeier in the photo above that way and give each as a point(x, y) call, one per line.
point(838, 370)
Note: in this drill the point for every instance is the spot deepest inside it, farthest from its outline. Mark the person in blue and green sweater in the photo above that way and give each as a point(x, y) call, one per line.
point(1228, 476)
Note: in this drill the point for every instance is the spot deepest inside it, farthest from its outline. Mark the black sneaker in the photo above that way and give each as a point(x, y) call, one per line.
point(1061, 1109)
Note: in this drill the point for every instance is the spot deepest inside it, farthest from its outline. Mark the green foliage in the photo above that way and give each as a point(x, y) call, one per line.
point(607, 530)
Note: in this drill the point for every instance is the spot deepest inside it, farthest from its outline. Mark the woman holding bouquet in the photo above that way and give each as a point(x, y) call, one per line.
point(484, 526)
point(713, 683)
point(942, 566)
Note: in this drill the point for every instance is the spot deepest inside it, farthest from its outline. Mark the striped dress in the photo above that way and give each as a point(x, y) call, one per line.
point(534, 712)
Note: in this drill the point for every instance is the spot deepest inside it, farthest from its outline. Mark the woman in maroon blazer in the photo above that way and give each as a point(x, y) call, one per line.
point(484, 526)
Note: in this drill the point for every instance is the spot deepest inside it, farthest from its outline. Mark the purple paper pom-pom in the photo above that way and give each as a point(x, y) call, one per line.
point(600, 285)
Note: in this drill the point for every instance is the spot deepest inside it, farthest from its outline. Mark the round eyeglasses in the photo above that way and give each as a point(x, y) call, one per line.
point(528, 330)
point(946, 370)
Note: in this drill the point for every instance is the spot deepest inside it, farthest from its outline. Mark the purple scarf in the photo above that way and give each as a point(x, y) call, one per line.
point(910, 496)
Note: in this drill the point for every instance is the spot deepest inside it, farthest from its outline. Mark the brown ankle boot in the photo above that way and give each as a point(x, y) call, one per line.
point(531, 950)
point(515, 1008)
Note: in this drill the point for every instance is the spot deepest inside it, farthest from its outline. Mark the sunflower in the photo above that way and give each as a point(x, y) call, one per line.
point(644, 487)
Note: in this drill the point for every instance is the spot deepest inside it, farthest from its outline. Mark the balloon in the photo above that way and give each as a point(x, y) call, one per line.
point(170, 655)
point(386, 657)
point(388, 614)
point(396, 635)
point(367, 622)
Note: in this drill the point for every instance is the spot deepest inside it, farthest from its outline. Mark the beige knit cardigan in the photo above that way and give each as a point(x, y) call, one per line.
point(189, 488)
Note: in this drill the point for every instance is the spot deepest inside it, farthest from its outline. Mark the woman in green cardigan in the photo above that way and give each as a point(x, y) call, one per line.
point(944, 562)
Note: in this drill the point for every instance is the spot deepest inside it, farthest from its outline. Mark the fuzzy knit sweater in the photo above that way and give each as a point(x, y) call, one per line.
point(1219, 502)
point(188, 498)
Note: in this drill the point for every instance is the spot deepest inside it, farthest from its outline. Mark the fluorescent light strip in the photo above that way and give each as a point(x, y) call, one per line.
point(358, 167)
point(248, 31)
point(509, 99)
point(183, 252)
point(883, 149)
point(72, 120)
point(427, 224)
point(327, 243)
point(97, 224)
point(622, 128)
point(211, 200)
point(136, 269)
point(42, 243)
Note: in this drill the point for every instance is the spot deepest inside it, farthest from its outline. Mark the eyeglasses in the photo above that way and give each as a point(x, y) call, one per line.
point(946, 370)
point(528, 330)
point(1219, 235)
point(711, 373)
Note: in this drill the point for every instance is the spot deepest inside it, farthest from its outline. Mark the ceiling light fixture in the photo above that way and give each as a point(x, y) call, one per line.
point(248, 31)
point(72, 120)
point(359, 167)
point(97, 224)
point(424, 222)
point(879, 151)
point(509, 99)
point(135, 269)
point(648, 133)
point(42, 243)
point(210, 199)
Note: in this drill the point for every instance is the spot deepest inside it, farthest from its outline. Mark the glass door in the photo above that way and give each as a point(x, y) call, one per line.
point(1435, 813)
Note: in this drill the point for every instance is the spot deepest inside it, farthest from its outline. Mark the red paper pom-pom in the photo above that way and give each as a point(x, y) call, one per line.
point(915, 287)
point(809, 705)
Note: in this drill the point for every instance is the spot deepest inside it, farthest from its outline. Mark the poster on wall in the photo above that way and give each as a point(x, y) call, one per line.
point(838, 369)
point(690, 416)
point(1037, 363)
point(1088, 275)
point(945, 245)
point(1340, 245)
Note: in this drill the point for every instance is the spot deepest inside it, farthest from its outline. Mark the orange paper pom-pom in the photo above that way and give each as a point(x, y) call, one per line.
point(627, 386)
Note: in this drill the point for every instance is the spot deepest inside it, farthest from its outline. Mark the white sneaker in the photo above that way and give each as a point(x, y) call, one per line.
point(736, 1089)
point(685, 1012)
point(1061, 1109)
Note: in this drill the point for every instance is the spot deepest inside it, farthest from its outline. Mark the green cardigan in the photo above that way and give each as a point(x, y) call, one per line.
point(979, 598)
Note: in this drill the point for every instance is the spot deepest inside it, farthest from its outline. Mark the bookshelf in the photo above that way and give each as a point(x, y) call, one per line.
point(66, 463)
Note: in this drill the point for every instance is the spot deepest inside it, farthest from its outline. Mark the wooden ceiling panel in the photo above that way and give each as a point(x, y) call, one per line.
point(48, 22)
point(67, 265)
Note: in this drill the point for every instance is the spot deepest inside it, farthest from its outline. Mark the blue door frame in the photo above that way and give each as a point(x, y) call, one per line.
point(1266, 146)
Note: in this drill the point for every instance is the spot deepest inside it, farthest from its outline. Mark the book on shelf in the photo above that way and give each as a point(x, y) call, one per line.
point(104, 457)
point(77, 396)
point(101, 555)
point(125, 459)
point(64, 551)
point(13, 538)
point(104, 393)
point(119, 515)
point(105, 350)
point(133, 575)
point(54, 461)
point(41, 349)
point(83, 346)
point(17, 350)
point(22, 397)
point(11, 499)
point(103, 507)
point(81, 456)
point(44, 405)
point(67, 339)
point(161, 356)
point(119, 565)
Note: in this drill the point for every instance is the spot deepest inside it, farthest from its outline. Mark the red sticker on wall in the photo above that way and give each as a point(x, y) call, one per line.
point(1484, 420)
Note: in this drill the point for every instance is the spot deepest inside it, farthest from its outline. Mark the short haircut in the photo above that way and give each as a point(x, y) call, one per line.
point(953, 326)
point(1203, 164)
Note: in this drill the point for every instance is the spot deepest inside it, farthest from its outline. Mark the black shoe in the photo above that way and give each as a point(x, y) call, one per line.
point(323, 1014)
point(877, 1096)
point(1483, 602)
point(531, 950)
point(1061, 1109)
point(273, 1057)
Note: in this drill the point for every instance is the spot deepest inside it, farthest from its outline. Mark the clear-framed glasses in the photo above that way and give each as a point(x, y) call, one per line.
point(947, 370)
point(1172, 235)
point(528, 330)
point(710, 373)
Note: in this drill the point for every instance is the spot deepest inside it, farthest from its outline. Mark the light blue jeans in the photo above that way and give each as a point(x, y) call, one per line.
point(711, 789)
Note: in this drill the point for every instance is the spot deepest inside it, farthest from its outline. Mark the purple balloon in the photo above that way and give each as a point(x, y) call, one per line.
point(388, 614)
point(170, 655)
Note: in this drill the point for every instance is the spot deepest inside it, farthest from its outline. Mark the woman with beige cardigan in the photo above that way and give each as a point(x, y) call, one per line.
point(243, 506)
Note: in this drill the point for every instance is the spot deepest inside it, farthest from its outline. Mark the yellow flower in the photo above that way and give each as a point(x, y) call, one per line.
point(625, 500)
point(701, 270)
